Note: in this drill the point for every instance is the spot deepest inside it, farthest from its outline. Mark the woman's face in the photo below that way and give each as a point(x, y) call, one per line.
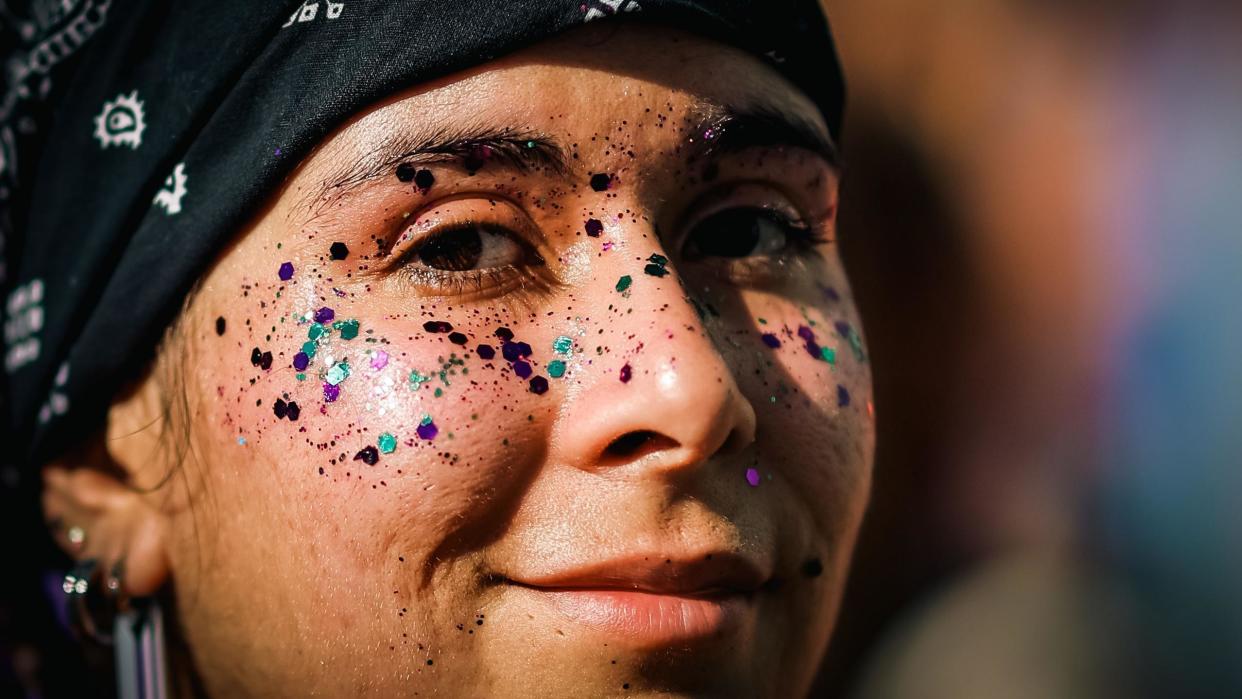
point(581, 403)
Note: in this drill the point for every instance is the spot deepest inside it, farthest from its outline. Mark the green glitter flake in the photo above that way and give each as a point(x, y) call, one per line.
point(300, 376)
point(387, 443)
point(562, 345)
point(763, 321)
point(338, 373)
point(856, 345)
point(308, 348)
point(426, 420)
point(624, 283)
point(556, 368)
point(829, 355)
point(417, 380)
point(347, 328)
point(315, 331)
point(439, 392)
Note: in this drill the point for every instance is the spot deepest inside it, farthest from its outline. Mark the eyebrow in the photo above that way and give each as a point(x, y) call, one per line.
point(721, 130)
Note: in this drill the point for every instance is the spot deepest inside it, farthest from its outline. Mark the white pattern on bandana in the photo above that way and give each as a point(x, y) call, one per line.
point(24, 320)
point(174, 189)
point(309, 10)
point(121, 122)
point(599, 9)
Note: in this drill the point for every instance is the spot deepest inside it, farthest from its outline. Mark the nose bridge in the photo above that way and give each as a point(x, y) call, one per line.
point(662, 397)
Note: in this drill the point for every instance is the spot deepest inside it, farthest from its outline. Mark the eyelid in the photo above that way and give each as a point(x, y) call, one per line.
point(744, 194)
point(478, 209)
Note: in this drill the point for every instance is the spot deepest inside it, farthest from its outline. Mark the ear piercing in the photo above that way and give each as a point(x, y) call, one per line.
point(76, 535)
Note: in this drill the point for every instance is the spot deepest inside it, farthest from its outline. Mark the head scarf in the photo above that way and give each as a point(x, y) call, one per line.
point(138, 136)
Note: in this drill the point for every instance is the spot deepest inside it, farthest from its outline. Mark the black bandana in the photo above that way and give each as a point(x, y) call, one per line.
point(138, 136)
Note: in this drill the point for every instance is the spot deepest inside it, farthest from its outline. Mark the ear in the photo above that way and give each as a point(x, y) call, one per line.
point(104, 499)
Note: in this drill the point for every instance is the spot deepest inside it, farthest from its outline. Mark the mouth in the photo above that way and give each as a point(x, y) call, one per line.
point(653, 600)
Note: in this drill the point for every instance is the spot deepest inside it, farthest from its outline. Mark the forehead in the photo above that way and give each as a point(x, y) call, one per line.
point(587, 84)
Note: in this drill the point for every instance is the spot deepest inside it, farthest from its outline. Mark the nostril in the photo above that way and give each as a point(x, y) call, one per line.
point(636, 443)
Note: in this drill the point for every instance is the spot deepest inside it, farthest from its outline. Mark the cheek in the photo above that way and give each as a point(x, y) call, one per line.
point(414, 426)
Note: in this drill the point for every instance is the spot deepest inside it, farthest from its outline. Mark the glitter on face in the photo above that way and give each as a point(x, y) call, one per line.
point(220, 325)
point(387, 443)
point(594, 227)
point(457, 338)
point(829, 355)
point(331, 393)
point(437, 326)
point(556, 368)
point(486, 351)
point(347, 328)
point(315, 332)
point(285, 272)
point(423, 179)
point(406, 172)
point(417, 380)
point(752, 477)
point(337, 373)
point(771, 340)
point(368, 455)
point(427, 429)
point(562, 344)
point(504, 334)
point(309, 348)
point(843, 396)
point(656, 265)
point(624, 283)
point(539, 385)
point(339, 251)
point(301, 361)
point(601, 182)
point(379, 360)
point(626, 373)
point(522, 369)
point(324, 315)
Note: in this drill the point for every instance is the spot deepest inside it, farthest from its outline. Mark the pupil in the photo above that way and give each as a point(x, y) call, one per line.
point(455, 251)
point(729, 234)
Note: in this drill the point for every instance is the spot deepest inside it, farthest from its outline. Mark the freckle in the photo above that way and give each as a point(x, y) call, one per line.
point(339, 251)
point(220, 325)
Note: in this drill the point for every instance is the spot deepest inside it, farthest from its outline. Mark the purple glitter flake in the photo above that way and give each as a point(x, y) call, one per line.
point(280, 408)
point(457, 338)
point(324, 315)
point(331, 393)
point(752, 477)
point(843, 328)
point(843, 396)
point(504, 334)
point(594, 227)
point(626, 373)
point(437, 326)
point(301, 361)
point(380, 360)
point(427, 431)
point(601, 182)
point(522, 369)
point(771, 340)
point(294, 412)
point(539, 385)
point(486, 351)
point(806, 333)
point(423, 180)
point(286, 271)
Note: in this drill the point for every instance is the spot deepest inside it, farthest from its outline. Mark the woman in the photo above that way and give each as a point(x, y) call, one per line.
point(520, 360)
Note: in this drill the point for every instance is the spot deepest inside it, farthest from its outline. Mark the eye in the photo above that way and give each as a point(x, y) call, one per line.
point(467, 248)
point(743, 232)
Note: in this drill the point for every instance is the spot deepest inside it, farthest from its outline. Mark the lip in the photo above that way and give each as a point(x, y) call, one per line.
point(653, 600)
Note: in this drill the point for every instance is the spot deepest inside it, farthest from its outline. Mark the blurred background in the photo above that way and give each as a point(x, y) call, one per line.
point(1041, 217)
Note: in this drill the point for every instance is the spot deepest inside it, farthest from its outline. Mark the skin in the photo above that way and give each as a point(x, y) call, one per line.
point(298, 570)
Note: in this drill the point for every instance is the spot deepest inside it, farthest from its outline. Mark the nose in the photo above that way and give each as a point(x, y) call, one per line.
point(680, 406)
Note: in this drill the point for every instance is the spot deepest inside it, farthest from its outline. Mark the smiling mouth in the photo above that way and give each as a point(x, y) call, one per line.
point(652, 601)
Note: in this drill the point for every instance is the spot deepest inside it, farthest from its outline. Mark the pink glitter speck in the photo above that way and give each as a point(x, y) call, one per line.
point(380, 360)
point(607, 246)
point(752, 477)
